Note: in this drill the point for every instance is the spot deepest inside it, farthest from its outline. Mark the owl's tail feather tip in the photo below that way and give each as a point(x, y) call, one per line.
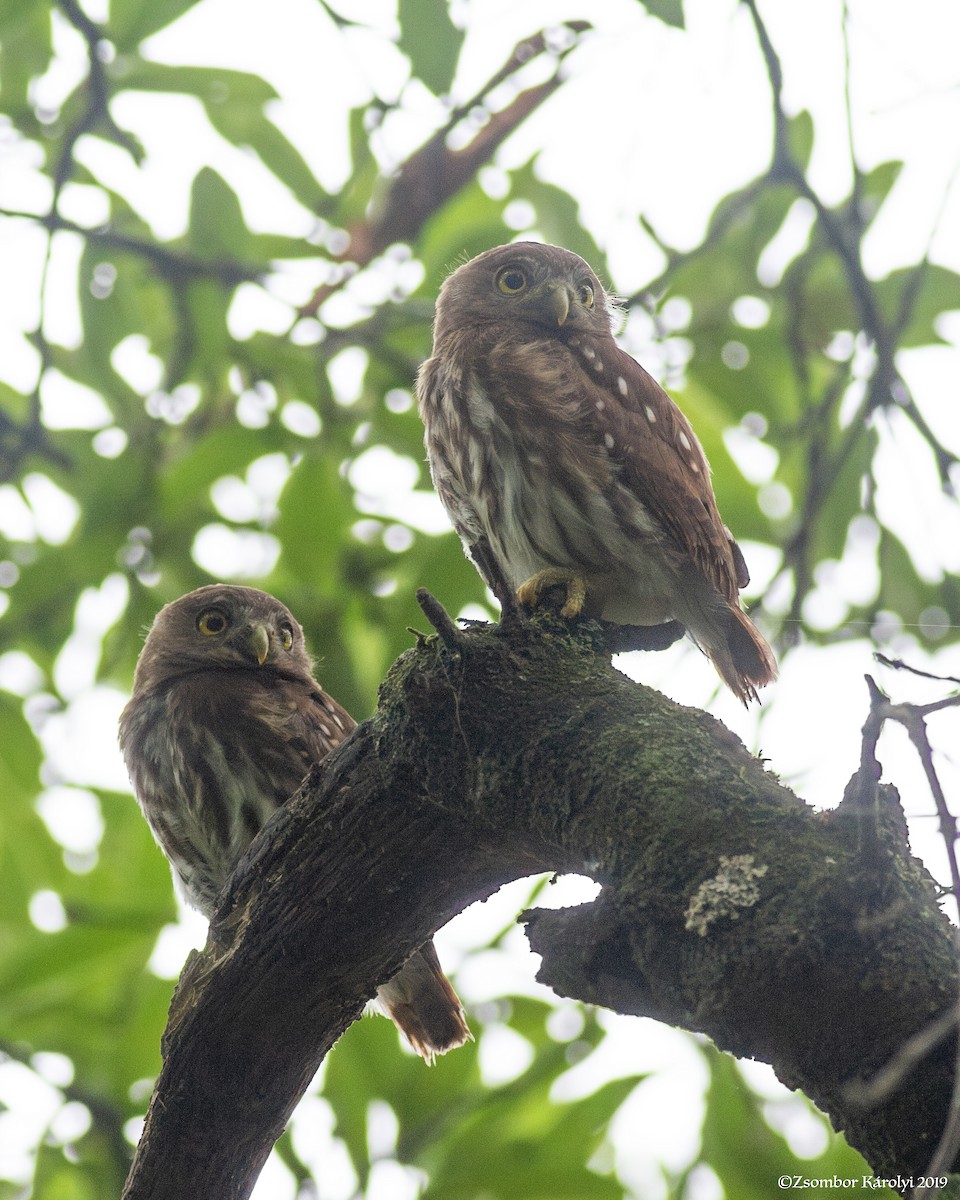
point(744, 661)
point(421, 1002)
point(434, 1037)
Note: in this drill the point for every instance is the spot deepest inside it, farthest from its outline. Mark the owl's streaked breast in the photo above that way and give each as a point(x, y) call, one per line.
point(215, 744)
point(506, 433)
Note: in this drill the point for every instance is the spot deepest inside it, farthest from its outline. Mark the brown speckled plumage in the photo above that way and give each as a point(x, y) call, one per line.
point(558, 456)
point(224, 722)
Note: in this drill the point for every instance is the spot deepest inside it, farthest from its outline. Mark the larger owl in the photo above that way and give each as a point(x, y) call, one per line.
point(560, 460)
point(224, 722)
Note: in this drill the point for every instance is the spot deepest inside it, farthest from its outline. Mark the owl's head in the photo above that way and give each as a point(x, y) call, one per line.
point(547, 286)
point(223, 627)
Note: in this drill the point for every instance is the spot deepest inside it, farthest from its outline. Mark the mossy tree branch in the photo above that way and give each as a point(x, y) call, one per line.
point(810, 940)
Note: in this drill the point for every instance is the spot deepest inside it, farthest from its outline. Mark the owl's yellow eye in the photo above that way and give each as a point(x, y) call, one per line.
point(286, 637)
point(213, 622)
point(585, 295)
point(511, 280)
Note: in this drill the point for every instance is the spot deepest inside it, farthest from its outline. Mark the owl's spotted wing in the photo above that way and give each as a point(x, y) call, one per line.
point(663, 465)
point(303, 718)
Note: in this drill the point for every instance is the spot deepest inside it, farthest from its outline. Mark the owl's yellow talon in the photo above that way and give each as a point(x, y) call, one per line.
point(528, 593)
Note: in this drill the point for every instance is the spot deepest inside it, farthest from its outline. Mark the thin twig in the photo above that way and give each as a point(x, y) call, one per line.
point(172, 264)
point(913, 718)
point(945, 1154)
point(915, 725)
point(861, 792)
point(883, 1083)
point(897, 664)
point(440, 619)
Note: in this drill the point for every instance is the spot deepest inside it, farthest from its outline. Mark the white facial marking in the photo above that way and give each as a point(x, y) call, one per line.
point(622, 385)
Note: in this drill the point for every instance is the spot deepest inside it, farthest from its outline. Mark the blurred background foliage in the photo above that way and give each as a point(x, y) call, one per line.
point(235, 400)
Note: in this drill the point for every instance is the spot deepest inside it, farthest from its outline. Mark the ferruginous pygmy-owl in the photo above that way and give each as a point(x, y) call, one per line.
point(560, 460)
point(224, 722)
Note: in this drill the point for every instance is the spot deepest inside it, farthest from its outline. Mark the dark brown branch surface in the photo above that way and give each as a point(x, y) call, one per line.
point(728, 906)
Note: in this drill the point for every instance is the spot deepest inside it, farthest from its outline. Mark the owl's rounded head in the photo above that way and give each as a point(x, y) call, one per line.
point(221, 627)
point(525, 281)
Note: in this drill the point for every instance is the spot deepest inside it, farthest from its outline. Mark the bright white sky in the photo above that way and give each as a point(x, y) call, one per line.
point(651, 120)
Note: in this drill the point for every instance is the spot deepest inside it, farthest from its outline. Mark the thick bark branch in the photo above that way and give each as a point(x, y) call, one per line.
point(810, 940)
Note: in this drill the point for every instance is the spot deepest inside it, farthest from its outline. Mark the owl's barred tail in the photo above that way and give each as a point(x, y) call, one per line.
point(421, 1002)
point(743, 659)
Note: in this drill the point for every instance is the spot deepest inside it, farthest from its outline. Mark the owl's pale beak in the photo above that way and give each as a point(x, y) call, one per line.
point(557, 297)
point(258, 643)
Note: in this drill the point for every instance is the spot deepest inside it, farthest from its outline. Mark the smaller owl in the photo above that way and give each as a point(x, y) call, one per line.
point(224, 722)
point(561, 461)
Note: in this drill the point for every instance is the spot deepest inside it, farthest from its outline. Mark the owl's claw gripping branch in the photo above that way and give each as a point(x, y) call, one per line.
point(615, 639)
point(573, 582)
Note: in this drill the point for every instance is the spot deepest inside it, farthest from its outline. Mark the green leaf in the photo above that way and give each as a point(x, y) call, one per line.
point(133, 20)
point(725, 267)
point(196, 463)
point(12, 12)
point(315, 509)
point(215, 86)
point(217, 227)
point(904, 592)
point(204, 353)
point(828, 302)
point(25, 53)
point(431, 41)
point(928, 290)
point(29, 859)
point(735, 1120)
point(843, 490)
point(356, 194)
point(58, 1178)
point(516, 1143)
point(126, 849)
point(877, 184)
point(558, 214)
point(800, 136)
point(467, 224)
point(245, 124)
point(735, 497)
point(19, 753)
point(136, 302)
point(670, 12)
